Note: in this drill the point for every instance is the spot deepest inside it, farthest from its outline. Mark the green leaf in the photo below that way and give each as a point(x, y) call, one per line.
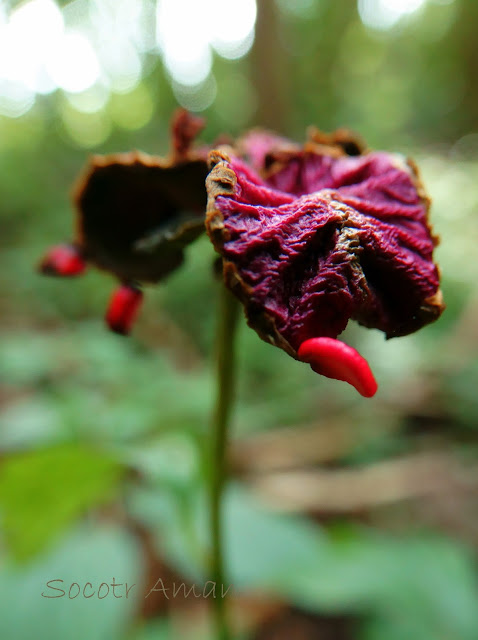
point(262, 546)
point(42, 492)
point(428, 580)
point(88, 555)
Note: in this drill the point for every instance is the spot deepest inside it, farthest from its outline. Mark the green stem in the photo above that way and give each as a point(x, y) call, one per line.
point(227, 322)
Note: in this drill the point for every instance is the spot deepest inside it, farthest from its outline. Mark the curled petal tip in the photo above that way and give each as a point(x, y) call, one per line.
point(335, 359)
point(185, 127)
point(64, 260)
point(123, 309)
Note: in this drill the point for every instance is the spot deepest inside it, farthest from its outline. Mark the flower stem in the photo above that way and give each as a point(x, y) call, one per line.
point(227, 322)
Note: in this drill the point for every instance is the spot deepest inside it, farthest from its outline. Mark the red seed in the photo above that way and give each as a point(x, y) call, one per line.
point(123, 308)
point(335, 359)
point(64, 260)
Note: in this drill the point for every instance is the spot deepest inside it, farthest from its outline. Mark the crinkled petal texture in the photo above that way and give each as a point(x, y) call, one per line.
point(324, 238)
point(270, 154)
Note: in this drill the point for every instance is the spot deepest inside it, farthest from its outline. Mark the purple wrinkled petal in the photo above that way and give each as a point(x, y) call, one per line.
point(334, 238)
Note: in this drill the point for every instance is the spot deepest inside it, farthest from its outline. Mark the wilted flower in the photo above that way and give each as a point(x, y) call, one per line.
point(135, 215)
point(320, 237)
point(310, 236)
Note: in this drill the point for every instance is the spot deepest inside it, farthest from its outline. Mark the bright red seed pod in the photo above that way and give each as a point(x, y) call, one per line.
point(63, 260)
point(335, 359)
point(123, 309)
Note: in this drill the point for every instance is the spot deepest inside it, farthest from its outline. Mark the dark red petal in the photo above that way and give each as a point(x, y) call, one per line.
point(335, 359)
point(123, 309)
point(64, 260)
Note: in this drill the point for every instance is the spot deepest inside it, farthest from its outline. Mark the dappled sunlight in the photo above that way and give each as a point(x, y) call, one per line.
point(385, 14)
point(44, 48)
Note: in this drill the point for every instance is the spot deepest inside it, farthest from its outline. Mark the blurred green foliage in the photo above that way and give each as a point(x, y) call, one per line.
point(44, 491)
point(101, 437)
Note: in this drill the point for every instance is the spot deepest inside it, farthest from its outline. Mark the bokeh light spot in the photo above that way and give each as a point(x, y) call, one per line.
point(74, 67)
point(196, 98)
point(28, 38)
point(91, 100)
point(385, 14)
point(187, 29)
point(15, 99)
point(182, 33)
point(132, 110)
point(232, 26)
point(87, 130)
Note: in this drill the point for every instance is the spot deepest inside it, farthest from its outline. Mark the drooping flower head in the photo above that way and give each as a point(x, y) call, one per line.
point(313, 237)
point(310, 236)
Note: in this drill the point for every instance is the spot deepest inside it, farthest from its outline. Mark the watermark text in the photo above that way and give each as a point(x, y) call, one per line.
point(58, 588)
